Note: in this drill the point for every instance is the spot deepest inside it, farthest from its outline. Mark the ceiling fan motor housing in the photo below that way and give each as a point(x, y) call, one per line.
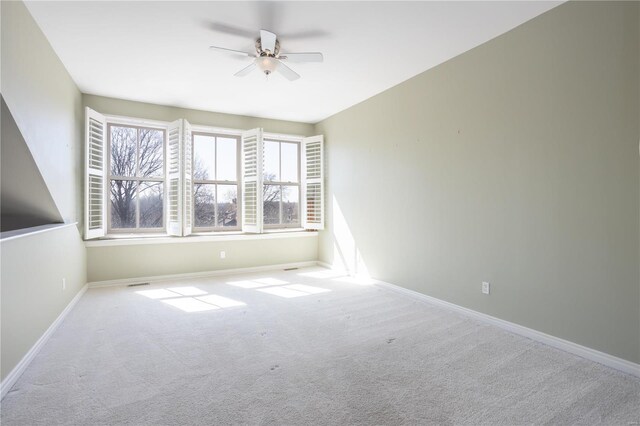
point(267, 53)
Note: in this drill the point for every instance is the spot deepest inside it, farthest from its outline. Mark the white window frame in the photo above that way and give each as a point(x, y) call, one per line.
point(217, 229)
point(280, 139)
point(116, 121)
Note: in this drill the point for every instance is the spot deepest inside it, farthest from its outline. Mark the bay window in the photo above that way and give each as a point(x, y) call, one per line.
point(156, 177)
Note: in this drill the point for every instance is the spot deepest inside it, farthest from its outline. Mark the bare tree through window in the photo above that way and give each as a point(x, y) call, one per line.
point(271, 196)
point(137, 177)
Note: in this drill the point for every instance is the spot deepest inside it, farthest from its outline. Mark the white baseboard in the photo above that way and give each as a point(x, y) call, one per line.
point(204, 274)
point(17, 371)
point(328, 266)
point(556, 342)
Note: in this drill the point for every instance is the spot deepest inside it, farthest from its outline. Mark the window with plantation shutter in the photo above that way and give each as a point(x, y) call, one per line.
point(252, 150)
point(174, 181)
point(313, 182)
point(95, 172)
point(146, 176)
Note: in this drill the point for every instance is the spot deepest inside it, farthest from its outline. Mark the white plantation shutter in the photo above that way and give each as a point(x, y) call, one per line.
point(95, 213)
point(252, 147)
point(187, 148)
point(174, 169)
point(313, 182)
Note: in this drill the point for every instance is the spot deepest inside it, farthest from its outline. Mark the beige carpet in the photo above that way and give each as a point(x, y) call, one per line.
point(301, 347)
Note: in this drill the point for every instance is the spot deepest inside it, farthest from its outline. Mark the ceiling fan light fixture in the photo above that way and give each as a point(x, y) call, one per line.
point(267, 64)
point(268, 59)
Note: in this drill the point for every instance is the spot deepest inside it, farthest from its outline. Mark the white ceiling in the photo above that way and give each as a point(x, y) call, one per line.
point(157, 51)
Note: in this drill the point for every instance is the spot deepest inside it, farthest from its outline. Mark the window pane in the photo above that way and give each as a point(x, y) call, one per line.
point(290, 204)
point(123, 203)
point(204, 204)
point(227, 204)
point(271, 161)
point(226, 159)
point(151, 152)
point(151, 209)
point(289, 162)
point(271, 205)
point(123, 151)
point(204, 157)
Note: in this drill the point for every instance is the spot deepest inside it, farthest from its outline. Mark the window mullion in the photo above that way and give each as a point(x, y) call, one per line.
point(138, 180)
point(215, 177)
point(239, 188)
point(138, 205)
point(137, 160)
point(299, 179)
point(280, 218)
point(215, 205)
point(279, 160)
point(280, 178)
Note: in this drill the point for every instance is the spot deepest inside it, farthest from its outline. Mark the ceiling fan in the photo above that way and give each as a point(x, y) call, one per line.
point(269, 59)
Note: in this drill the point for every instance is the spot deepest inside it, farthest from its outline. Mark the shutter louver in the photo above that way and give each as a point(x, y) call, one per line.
point(313, 183)
point(187, 215)
point(95, 171)
point(174, 169)
point(252, 181)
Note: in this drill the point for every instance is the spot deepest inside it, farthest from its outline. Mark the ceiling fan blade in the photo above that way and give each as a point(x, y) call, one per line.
point(303, 57)
point(287, 72)
point(229, 29)
point(268, 40)
point(246, 70)
point(237, 52)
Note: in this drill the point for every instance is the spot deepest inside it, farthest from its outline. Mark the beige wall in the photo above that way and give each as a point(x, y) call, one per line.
point(113, 106)
point(32, 296)
point(131, 261)
point(515, 163)
point(47, 109)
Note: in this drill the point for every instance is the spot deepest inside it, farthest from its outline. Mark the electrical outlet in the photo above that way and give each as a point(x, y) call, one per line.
point(64, 284)
point(223, 255)
point(486, 287)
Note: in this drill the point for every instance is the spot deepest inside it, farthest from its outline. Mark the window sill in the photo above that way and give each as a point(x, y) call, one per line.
point(129, 239)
